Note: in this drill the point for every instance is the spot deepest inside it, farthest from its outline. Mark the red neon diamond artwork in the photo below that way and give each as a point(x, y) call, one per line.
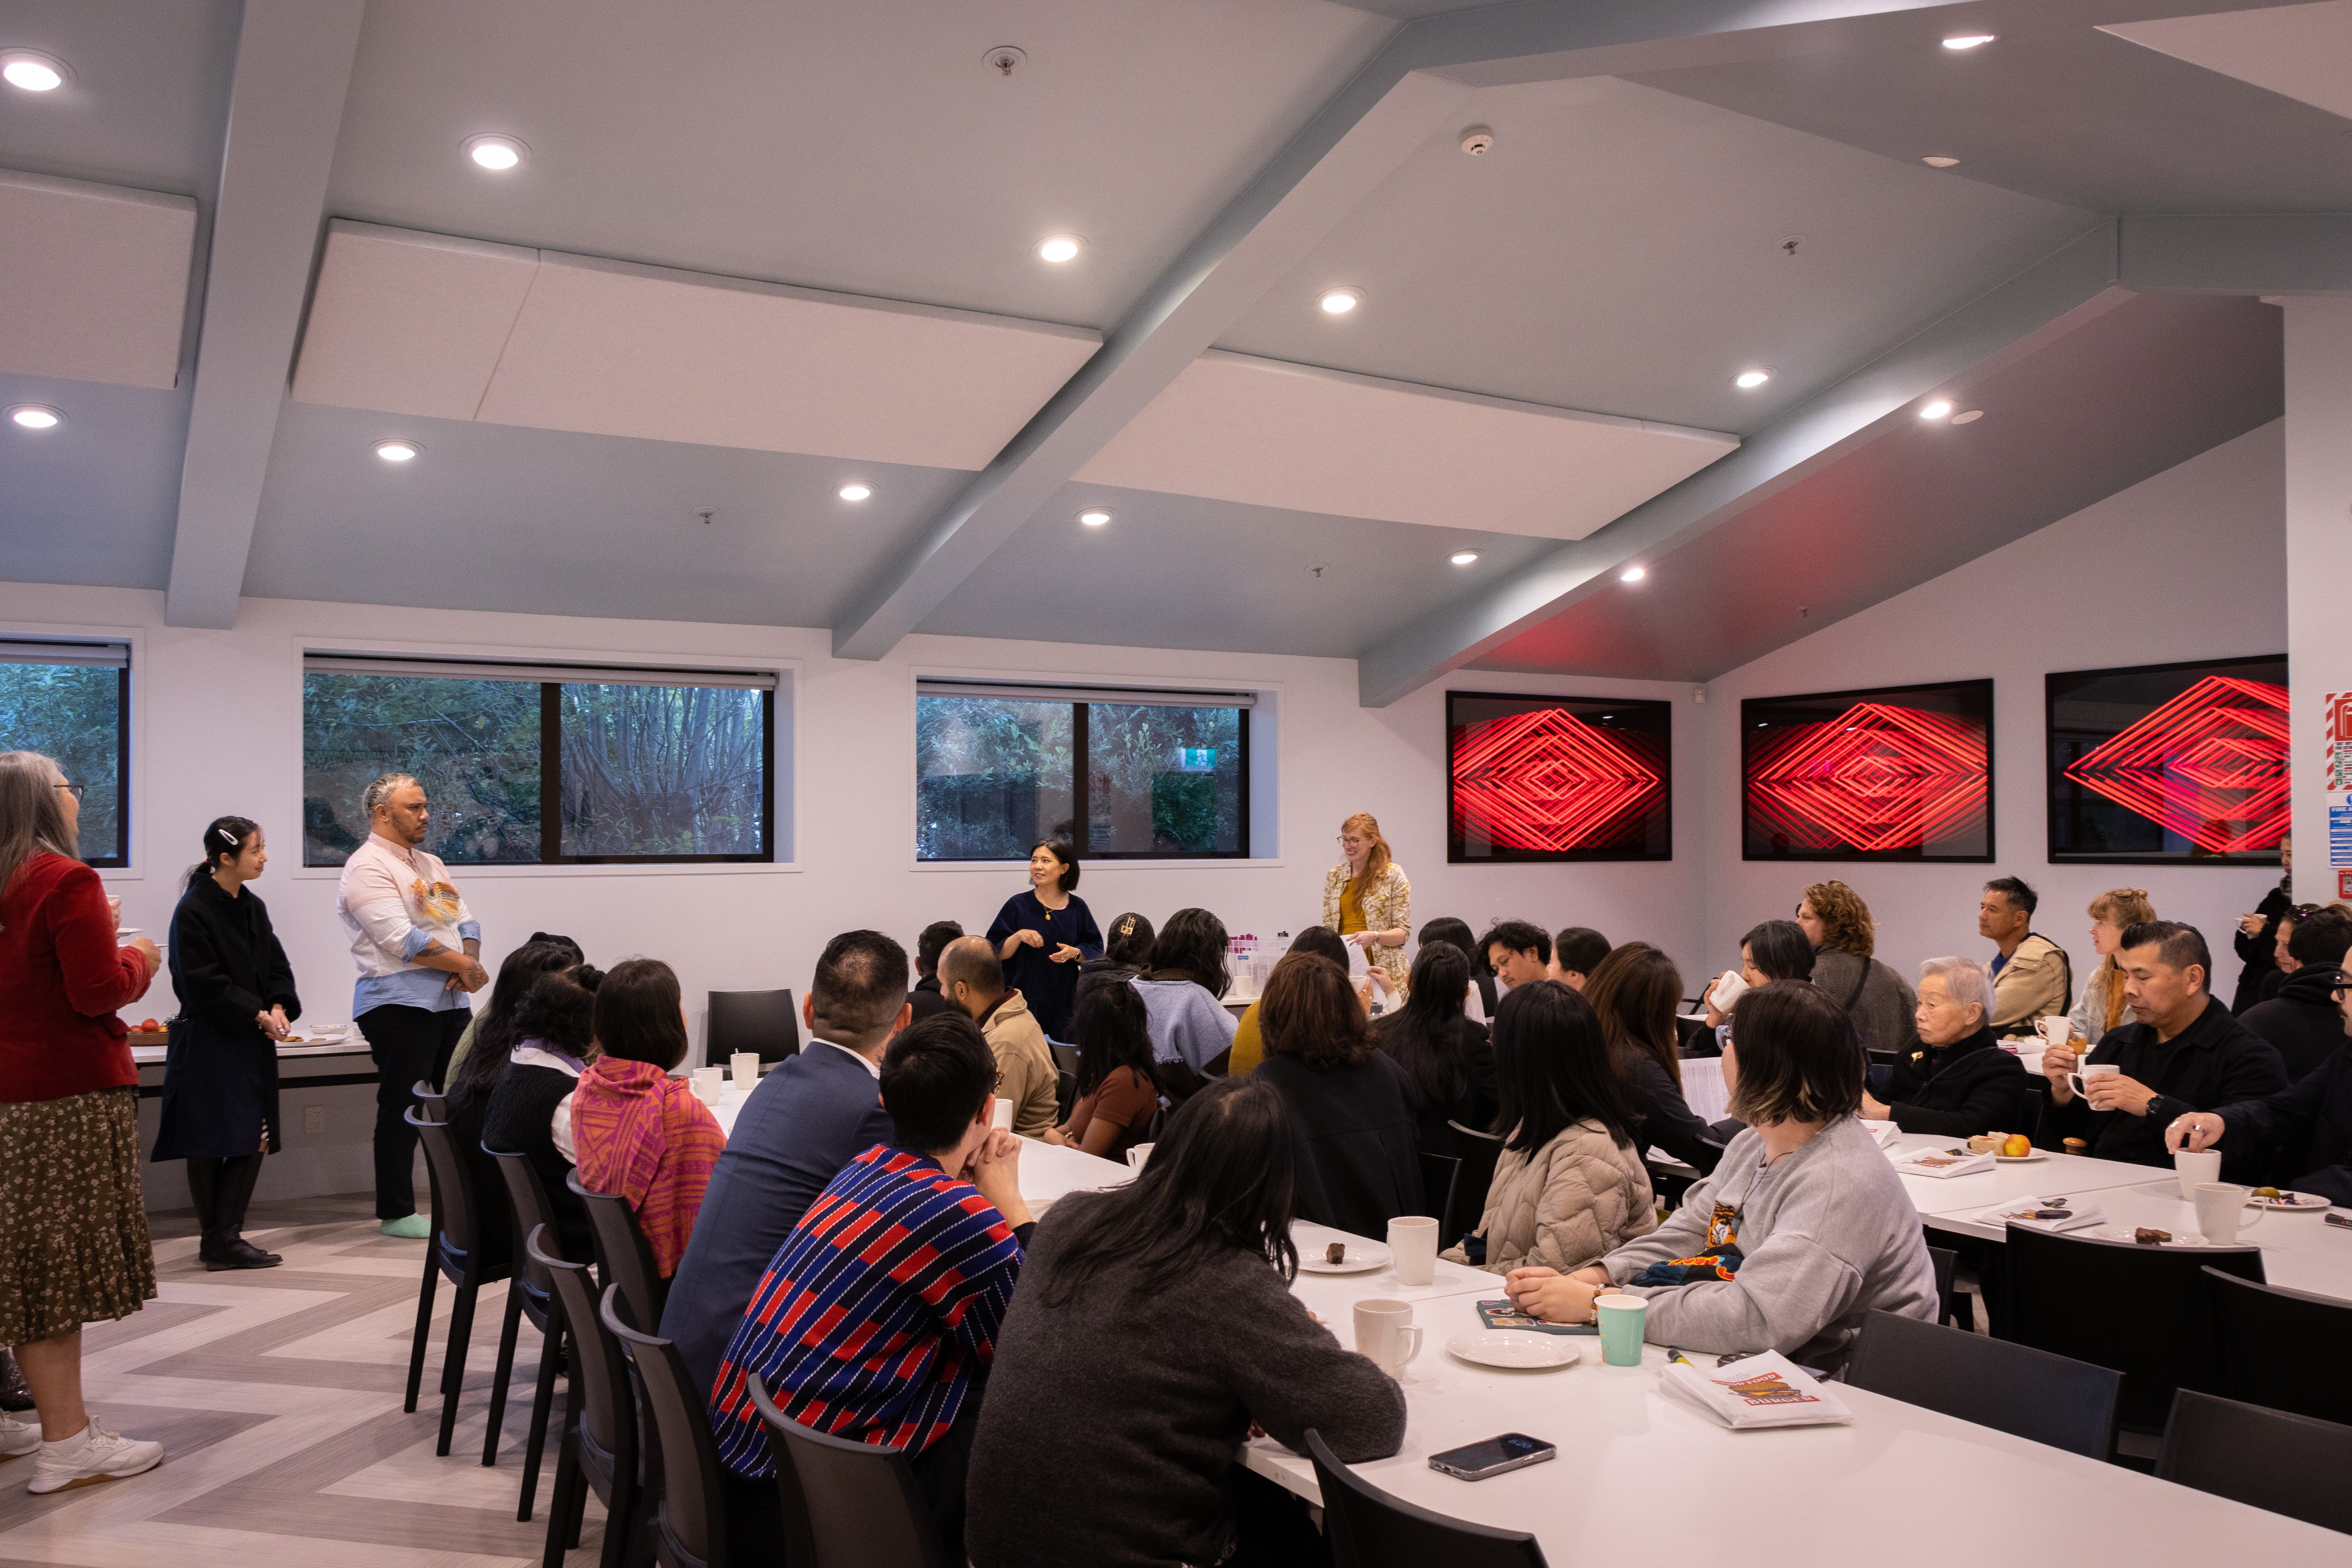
point(1877, 777)
point(1548, 781)
point(2211, 766)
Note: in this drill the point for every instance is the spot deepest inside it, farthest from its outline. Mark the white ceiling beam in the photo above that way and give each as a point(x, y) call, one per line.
point(286, 106)
point(2236, 253)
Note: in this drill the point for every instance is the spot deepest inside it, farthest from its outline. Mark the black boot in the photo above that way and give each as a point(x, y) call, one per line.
point(13, 1395)
point(204, 1187)
point(236, 1179)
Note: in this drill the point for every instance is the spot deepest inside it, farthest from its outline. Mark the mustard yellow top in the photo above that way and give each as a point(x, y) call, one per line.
point(1249, 1045)
point(1386, 905)
point(1351, 910)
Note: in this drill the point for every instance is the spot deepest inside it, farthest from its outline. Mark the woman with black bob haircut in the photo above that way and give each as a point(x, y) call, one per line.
point(1042, 934)
point(1184, 989)
point(220, 1070)
point(1777, 950)
point(1178, 1283)
point(1804, 1227)
point(1117, 1095)
point(637, 1131)
point(1351, 1110)
point(1569, 1186)
point(530, 1109)
point(1443, 1051)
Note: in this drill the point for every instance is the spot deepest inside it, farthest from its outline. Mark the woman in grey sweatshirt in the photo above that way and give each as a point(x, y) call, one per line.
point(1804, 1227)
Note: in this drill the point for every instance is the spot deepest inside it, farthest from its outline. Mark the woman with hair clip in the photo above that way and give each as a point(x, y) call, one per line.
point(1368, 900)
point(220, 1071)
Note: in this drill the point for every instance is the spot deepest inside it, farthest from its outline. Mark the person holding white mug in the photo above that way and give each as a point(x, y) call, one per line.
point(2308, 1130)
point(2181, 1052)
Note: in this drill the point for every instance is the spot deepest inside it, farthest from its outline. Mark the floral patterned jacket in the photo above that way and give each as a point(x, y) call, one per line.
point(1388, 906)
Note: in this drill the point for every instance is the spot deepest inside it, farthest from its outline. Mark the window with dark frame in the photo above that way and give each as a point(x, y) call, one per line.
point(1149, 775)
point(72, 701)
point(639, 766)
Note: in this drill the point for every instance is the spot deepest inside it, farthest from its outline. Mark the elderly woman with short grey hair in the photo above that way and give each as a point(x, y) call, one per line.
point(1952, 1078)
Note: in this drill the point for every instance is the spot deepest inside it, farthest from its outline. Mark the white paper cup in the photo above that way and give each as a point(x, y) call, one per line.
point(2222, 1212)
point(709, 1085)
point(1412, 1242)
point(2195, 1171)
point(744, 1067)
point(1386, 1332)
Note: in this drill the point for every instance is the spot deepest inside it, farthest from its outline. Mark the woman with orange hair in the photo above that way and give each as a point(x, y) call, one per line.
point(1368, 900)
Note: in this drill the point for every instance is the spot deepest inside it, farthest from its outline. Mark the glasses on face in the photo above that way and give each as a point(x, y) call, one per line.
point(74, 790)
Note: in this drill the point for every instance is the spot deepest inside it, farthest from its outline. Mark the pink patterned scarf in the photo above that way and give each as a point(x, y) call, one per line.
point(638, 1131)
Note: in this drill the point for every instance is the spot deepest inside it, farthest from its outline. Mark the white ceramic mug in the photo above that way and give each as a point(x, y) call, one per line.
point(1136, 1155)
point(2196, 1170)
point(744, 1066)
point(1728, 987)
point(2079, 1074)
point(1413, 1243)
point(710, 1084)
point(2055, 1030)
point(1386, 1332)
point(2222, 1212)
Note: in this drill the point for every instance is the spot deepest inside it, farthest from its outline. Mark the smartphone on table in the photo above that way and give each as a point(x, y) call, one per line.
point(1476, 1461)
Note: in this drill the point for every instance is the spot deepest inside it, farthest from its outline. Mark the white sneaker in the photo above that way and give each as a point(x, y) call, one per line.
point(91, 1455)
point(18, 1439)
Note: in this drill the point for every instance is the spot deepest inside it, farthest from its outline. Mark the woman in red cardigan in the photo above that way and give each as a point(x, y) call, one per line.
point(73, 1226)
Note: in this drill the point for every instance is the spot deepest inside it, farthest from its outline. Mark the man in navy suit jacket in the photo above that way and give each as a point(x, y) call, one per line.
point(807, 1118)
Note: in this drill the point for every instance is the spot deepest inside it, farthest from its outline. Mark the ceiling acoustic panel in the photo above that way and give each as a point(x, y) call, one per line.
point(455, 329)
point(1263, 433)
point(97, 281)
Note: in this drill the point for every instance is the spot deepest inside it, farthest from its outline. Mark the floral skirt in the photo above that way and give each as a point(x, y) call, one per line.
point(73, 1225)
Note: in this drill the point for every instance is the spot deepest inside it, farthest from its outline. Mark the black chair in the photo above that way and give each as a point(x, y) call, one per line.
point(624, 1256)
point(453, 1251)
point(2268, 1334)
point(1439, 1176)
point(689, 1514)
point(433, 1105)
point(760, 1021)
point(533, 1294)
point(599, 1450)
point(2145, 1311)
point(2012, 1388)
point(2289, 1464)
point(1479, 1151)
point(1065, 1095)
point(1369, 1528)
point(1066, 1057)
point(1953, 1305)
point(853, 1504)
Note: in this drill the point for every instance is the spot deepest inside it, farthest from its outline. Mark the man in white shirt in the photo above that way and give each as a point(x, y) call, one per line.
point(418, 948)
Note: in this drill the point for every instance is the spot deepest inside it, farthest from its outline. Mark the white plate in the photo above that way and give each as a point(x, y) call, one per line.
point(1361, 1257)
point(129, 930)
point(2291, 1202)
point(1515, 1348)
point(2023, 1159)
point(2124, 1233)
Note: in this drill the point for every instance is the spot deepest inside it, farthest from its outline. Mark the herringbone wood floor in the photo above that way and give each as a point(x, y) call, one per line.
point(277, 1395)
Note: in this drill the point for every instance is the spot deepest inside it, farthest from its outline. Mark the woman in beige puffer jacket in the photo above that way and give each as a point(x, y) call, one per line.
point(1569, 1186)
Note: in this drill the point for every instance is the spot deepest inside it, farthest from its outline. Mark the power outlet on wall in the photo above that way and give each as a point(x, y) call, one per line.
point(314, 1119)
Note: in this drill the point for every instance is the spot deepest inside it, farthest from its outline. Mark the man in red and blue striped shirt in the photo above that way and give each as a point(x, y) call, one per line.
point(877, 1319)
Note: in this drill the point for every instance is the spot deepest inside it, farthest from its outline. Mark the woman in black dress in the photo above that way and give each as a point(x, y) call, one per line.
point(220, 1071)
point(1043, 935)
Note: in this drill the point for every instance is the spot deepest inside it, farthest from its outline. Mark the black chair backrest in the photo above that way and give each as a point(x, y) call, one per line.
point(1439, 1174)
point(1479, 1151)
point(2289, 1464)
point(608, 1405)
point(1369, 1528)
point(1065, 1094)
point(691, 1515)
point(624, 1255)
point(2268, 1335)
point(455, 1218)
point(2012, 1388)
point(862, 1507)
point(761, 1021)
point(529, 1199)
point(2144, 1311)
point(430, 1101)
point(1947, 1264)
point(1066, 1057)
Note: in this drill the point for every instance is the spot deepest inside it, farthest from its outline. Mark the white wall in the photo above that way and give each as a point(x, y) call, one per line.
point(2318, 461)
point(217, 727)
point(2188, 564)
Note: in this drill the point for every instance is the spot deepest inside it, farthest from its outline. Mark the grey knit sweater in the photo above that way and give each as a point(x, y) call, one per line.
point(1111, 1420)
point(1883, 1011)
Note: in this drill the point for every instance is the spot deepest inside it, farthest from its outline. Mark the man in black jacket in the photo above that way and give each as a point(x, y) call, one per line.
point(2303, 1019)
point(1951, 1077)
point(2181, 1052)
point(2303, 1137)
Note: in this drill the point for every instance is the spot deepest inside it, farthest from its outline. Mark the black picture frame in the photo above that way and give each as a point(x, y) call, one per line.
point(1778, 818)
point(1640, 730)
point(2089, 827)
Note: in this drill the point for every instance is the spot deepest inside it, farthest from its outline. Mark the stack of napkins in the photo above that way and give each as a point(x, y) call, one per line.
point(1886, 1132)
point(2044, 1214)
point(1940, 1163)
point(1768, 1390)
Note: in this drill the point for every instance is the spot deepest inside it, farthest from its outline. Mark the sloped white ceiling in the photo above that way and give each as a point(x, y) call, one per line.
point(2303, 52)
point(96, 280)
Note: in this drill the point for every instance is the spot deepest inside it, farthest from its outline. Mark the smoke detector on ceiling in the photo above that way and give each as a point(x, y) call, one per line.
point(1478, 140)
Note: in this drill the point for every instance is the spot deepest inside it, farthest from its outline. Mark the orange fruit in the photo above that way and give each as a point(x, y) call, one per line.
point(2017, 1144)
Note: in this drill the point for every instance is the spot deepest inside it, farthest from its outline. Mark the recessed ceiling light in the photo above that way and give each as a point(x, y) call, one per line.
point(33, 72)
point(855, 492)
point(1633, 574)
point(397, 451)
point(1971, 417)
point(1463, 557)
point(1968, 40)
point(496, 153)
point(1339, 301)
point(1059, 247)
point(35, 416)
point(1938, 409)
point(1095, 516)
point(1750, 380)
point(1939, 163)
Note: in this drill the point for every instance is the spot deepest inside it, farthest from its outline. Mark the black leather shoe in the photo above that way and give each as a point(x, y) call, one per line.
point(241, 1254)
